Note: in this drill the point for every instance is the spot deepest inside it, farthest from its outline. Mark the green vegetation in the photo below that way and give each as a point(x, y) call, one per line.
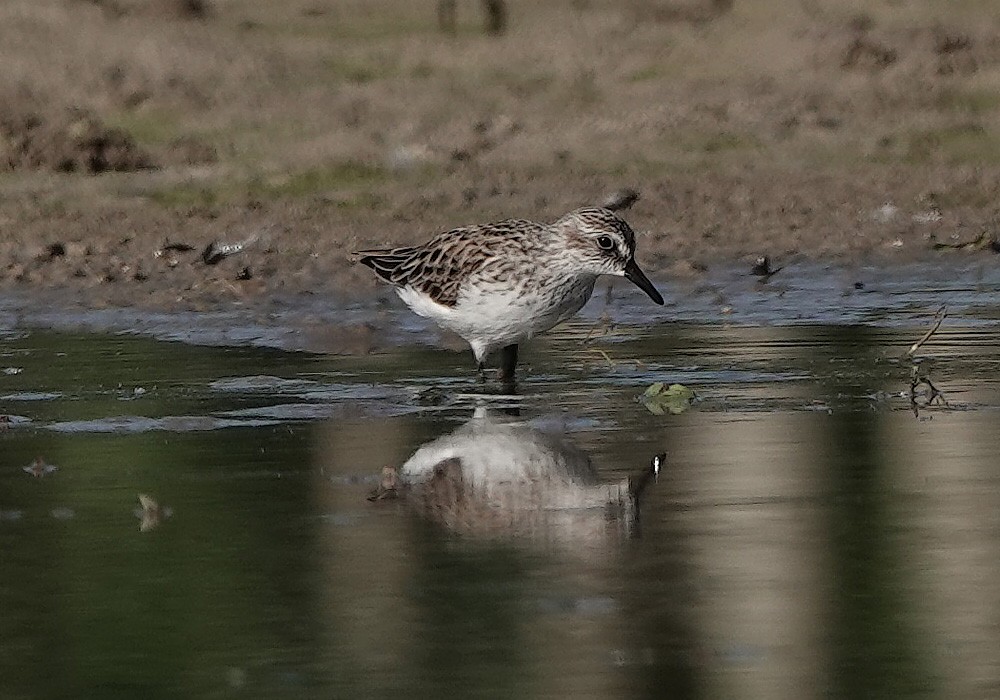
point(650, 72)
point(660, 399)
point(335, 176)
point(148, 127)
point(966, 142)
point(972, 101)
point(729, 141)
point(187, 195)
point(362, 72)
point(356, 178)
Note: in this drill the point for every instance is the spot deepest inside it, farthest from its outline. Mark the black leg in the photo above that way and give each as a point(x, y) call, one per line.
point(508, 361)
point(481, 368)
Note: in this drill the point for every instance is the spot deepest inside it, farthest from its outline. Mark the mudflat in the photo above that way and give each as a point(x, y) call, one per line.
point(174, 154)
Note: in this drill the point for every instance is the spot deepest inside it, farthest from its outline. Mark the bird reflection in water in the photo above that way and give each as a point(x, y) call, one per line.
point(501, 480)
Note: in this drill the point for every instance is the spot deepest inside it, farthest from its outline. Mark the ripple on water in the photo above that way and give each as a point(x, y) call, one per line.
point(32, 396)
point(308, 389)
point(143, 424)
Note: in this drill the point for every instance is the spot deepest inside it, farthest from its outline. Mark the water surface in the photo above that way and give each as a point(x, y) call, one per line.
point(811, 535)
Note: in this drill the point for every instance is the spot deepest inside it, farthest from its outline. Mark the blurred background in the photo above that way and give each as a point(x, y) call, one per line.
point(777, 126)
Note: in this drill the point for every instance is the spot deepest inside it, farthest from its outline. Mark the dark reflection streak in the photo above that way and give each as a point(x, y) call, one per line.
point(875, 650)
point(659, 604)
point(48, 596)
point(470, 600)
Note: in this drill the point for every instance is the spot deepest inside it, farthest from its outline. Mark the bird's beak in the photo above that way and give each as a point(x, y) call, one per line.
point(639, 279)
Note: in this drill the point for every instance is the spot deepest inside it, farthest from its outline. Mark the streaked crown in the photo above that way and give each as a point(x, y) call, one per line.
point(598, 239)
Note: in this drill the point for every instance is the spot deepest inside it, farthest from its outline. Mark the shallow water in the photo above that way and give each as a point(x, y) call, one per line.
point(811, 535)
point(803, 293)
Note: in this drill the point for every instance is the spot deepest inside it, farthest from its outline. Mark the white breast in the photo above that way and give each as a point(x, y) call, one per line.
point(490, 316)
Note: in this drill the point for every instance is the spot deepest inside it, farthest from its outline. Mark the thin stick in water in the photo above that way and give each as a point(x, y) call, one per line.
point(939, 317)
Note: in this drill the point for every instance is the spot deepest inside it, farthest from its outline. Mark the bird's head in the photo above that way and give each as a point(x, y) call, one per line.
point(601, 243)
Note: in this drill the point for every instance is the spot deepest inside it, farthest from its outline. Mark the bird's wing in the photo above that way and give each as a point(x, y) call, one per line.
point(439, 267)
point(430, 269)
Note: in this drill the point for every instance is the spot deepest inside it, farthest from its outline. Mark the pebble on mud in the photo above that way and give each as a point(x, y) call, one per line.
point(216, 252)
point(762, 268)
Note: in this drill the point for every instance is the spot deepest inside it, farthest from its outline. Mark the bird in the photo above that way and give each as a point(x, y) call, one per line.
point(493, 479)
point(497, 285)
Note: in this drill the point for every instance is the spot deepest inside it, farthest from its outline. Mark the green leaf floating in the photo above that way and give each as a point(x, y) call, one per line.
point(659, 399)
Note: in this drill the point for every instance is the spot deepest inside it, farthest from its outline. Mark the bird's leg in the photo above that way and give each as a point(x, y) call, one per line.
point(481, 368)
point(508, 361)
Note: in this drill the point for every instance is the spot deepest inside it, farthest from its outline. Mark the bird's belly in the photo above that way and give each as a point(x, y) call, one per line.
point(502, 316)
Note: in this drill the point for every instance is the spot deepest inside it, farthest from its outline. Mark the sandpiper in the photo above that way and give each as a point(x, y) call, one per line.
point(492, 478)
point(499, 284)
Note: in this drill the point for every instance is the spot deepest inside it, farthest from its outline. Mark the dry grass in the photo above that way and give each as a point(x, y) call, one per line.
point(288, 86)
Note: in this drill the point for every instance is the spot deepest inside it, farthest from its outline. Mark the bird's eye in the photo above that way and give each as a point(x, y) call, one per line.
point(605, 243)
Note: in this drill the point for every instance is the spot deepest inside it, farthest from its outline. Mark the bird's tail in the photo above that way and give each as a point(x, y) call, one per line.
point(384, 262)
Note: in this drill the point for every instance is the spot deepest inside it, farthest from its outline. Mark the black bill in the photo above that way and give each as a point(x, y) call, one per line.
point(636, 276)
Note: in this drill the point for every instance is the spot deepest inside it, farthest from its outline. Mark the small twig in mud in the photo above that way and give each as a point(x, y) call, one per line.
point(984, 241)
point(605, 324)
point(605, 355)
point(639, 364)
point(935, 395)
point(939, 317)
point(603, 327)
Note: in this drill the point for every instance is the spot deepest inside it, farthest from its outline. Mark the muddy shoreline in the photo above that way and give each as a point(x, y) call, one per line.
point(804, 292)
point(258, 255)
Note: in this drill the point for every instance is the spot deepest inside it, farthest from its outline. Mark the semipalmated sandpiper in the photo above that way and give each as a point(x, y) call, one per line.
point(499, 284)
